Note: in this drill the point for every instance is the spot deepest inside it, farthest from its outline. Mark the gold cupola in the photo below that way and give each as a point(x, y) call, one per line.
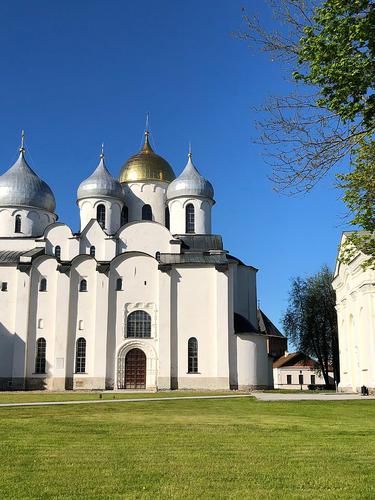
point(146, 166)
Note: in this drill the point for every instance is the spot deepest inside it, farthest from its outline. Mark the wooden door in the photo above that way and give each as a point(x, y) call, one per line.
point(135, 369)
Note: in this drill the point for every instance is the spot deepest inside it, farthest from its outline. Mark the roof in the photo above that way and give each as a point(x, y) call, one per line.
point(294, 359)
point(10, 257)
point(243, 325)
point(203, 242)
point(266, 326)
point(192, 258)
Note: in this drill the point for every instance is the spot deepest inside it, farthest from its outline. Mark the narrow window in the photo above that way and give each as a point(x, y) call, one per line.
point(192, 355)
point(167, 218)
point(4, 286)
point(124, 215)
point(100, 214)
point(81, 355)
point(40, 359)
point(43, 285)
point(312, 379)
point(146, 212)
point(300, 379)
point(92, 251)
point(58, 252)
point(139, 325)
point(119, 284)
point(83, 286)
point(157, 256)
point(190, 218)
point(289, 379)
point(17, 224)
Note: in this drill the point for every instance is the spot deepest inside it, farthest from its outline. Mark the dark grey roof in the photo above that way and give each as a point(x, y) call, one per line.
point(266, 326)
point(192, 258)
point(14, 257)
point(203, 242)
point(243, 325)
point(9, 256)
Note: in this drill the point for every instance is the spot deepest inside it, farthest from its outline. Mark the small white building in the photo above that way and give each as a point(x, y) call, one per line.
point(144, 296)
point(355, 304)
point(295, 370)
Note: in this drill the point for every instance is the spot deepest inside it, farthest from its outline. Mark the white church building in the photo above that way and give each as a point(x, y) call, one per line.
point(355, 305)
point(144, 296)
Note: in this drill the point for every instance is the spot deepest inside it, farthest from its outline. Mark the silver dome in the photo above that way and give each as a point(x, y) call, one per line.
point(100, 184)
point(190, 183)
point(20, 186)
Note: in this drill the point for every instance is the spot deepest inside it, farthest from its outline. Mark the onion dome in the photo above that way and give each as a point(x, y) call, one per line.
point(100, 184)
point(20, 186)
point(190, 183)
point(146, 166)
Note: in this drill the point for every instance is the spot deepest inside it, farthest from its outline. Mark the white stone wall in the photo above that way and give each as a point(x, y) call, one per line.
point(33, 221)
point(355, 304)
point(280, 377)
point(202, 211)
point(151, 193)
point(88, 211)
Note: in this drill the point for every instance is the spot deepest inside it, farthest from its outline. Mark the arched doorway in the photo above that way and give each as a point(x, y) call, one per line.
point(132, 370)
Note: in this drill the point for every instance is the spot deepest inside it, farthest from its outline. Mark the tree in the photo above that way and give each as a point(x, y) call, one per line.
point(359, 197)
point(310, 321)
point(328, 48)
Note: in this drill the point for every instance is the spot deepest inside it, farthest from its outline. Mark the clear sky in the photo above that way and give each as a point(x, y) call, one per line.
point(78, 73)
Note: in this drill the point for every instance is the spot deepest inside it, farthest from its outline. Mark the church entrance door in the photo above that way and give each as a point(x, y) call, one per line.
point(135, 370)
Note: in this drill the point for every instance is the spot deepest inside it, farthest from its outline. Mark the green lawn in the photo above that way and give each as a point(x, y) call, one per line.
point(232, 448)
point(36, 396)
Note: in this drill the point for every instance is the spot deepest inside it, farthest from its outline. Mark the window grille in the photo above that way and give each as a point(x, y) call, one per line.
point(81, 355)
point(190, 218)
point(192, 355)
point(17, 224)
point(40, 360)
point(139, 325)
point(92, 251)
point(146, 212)
point(100, 214)
point(58, 252)
point(124, 215)
point(83, 286)
point(167, 218)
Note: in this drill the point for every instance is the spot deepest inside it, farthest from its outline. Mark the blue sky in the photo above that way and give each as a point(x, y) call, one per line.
point(78, 73)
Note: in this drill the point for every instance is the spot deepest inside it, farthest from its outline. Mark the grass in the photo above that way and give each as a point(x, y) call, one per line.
point(37, 396)
point(196, 449)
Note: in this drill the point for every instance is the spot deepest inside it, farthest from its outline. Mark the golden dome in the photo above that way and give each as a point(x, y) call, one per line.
point(146, 166)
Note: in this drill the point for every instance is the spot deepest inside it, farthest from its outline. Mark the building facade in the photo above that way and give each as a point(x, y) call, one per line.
point(355, 304)
point(144, 296)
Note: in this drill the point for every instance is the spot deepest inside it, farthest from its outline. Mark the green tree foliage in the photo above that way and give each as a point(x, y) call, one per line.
point(359, 196)
point(339, 48)
point(310, 321)
point(328, 46)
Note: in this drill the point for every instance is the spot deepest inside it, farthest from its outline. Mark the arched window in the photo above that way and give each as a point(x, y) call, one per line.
point(40, 359)
point(139, 325)
point(146, 212)
point(190, 218)
point(17, 224)
point(83, 286)
point(58, 252)
point(119, 284)
point(43, 285)
point(81, 355)
point(167, 218)
point(193, 355)
point(92, 251)
point(124, 215)
point(100, 214)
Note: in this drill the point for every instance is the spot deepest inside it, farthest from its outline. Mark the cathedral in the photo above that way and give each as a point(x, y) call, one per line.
point(143, 296)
